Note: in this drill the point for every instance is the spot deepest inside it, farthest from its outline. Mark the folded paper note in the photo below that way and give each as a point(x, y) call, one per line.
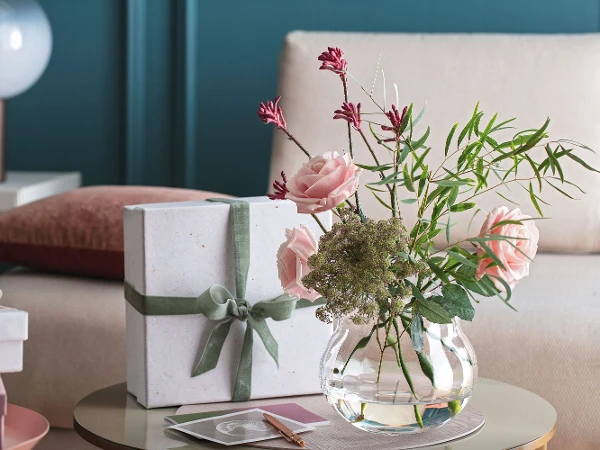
point(291, 411)
point(201, 283)
point(238, 428)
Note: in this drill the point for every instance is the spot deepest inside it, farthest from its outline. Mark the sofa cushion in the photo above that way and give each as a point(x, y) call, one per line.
point(80, 231)
point(527, 76)
point(76, 340)
point(550, 346)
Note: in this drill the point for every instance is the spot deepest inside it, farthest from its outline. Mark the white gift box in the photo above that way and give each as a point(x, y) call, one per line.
point(13, 331)
point(181, 250)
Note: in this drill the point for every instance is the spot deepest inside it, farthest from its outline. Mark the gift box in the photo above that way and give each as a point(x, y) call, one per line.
point(13, 331)
point(206, 318)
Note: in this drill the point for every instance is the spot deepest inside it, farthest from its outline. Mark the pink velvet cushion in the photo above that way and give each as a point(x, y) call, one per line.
point(80, 231)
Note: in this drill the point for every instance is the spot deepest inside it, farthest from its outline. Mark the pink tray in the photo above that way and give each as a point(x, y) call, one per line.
point(23, 428)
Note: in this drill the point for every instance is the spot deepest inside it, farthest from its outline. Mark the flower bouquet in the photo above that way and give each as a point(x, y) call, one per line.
point(399, 361)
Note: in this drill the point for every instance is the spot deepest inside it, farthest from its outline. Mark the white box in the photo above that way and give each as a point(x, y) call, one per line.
point(13, 331)
point(180, 250)
point(21, 188)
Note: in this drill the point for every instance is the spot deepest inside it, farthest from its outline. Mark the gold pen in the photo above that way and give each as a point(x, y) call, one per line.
point(288, 434)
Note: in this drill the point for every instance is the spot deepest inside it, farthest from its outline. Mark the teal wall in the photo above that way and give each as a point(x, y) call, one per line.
point(165, 91)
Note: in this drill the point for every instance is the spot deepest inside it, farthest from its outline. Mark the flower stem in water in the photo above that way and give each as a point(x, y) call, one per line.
point(406, 373)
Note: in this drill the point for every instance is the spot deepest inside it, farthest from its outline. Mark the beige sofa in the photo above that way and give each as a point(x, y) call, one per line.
point(76, 342)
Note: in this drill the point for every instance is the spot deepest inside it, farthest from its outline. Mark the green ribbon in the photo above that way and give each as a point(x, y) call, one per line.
point(218, 304)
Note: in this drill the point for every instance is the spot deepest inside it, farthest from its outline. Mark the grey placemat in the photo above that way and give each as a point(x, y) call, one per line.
point(341, 435)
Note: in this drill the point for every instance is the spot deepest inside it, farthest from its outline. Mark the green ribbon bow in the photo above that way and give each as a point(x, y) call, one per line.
point(218, 304)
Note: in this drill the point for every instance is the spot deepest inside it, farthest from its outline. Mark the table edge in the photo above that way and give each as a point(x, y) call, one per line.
point(541, 441)
point(96, 440)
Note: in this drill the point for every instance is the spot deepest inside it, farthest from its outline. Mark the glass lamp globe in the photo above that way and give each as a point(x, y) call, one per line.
point(25, 45)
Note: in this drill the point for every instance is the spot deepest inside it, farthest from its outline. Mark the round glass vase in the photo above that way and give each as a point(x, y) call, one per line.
point(380, 384)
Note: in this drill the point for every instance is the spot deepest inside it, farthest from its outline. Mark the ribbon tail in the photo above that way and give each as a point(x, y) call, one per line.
point(212, 350)
point(260, 325)
point(243, 378)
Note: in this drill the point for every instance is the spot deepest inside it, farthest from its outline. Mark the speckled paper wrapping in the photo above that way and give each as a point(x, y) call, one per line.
point(181, 249)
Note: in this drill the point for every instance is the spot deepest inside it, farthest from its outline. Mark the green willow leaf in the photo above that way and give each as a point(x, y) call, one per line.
point(408, 180)
point(528, 145)
point(438, 271)
point(460, 258)
point(407, 118)
point(534, 199)
point(453, 196)
point(452, 183)
point(462, 207)
point(491, 254)
point(374, 168)
point(581, 162)
point(535, 170)
point(507, 199)
point(427, 367)
point(416, 333)
point(419, 143)
point(507, 291)
point(408, 201)
point(449, 138)
point(419, 162)
point(381, 201)
point(560, 190)
point(422, 182)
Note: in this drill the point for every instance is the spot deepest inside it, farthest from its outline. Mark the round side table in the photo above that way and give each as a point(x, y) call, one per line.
point(111, 419)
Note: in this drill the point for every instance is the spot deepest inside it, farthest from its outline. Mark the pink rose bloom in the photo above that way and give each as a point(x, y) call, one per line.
point(323, 183)
point(292, 262)
point(515, 260)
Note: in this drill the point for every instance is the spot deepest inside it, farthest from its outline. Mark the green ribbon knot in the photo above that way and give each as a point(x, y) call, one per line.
point(217, 303)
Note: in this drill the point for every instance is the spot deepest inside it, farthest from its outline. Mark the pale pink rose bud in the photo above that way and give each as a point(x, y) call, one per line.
point(270, 112)
point(515, 260)
point(292, 262)
point(333, 59)
point(323, 183)
point(350, 113)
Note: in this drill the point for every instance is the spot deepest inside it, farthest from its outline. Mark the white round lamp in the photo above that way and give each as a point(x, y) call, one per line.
point(25, 48)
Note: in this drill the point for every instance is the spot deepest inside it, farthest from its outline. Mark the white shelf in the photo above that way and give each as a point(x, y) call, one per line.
point(21, 188)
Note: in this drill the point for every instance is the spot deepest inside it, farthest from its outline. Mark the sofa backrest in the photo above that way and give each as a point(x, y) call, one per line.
point(529, 77)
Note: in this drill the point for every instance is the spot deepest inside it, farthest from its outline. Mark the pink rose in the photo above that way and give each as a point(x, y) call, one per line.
point(515, 260)
point(323, 183)
point(292, 262)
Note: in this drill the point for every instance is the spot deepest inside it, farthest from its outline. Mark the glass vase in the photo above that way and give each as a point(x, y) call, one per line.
point(381, 384)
